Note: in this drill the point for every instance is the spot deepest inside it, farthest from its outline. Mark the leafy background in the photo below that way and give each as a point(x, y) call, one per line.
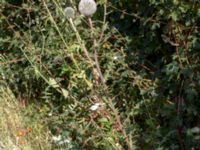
point(149, 57)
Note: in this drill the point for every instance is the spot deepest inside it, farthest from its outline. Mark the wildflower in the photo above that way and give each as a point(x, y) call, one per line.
point(66, 141)
point(56, 138)
point(117, 144)
point(23, 142)
point(87, 7)
point(69, 12)
point(96, 106)
point(29, 129)
point(21, 133)
point(115, 57)
point(50, 114)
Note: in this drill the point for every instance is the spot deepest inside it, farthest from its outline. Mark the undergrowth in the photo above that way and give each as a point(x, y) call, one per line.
point(120, 75)
point(18, 130)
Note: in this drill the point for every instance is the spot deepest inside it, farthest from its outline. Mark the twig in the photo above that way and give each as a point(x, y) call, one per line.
point(11, 61)
point(104, 21)
point(137, 17)
point(117, 117)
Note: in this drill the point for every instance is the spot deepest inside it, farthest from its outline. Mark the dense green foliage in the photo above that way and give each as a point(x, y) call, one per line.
point(149, 55)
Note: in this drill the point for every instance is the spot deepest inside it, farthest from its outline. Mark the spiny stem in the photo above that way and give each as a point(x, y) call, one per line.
point(80, 41)
point(95, 51)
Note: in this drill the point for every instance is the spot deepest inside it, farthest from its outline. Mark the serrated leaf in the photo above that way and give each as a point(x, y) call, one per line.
point(53, 83)
point(65, 93)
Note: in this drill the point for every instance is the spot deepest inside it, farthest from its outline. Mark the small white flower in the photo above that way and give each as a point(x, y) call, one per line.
point(14, 148)
point(50, 114)
point(66, 141)
point(56, 138)
point(87, 7)
point(117, 144)
point(96, 106)
point(115, 57)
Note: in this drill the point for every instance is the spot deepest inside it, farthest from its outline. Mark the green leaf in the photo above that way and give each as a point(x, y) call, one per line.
point(53, 83)
point(65, 93)
point(174, 16)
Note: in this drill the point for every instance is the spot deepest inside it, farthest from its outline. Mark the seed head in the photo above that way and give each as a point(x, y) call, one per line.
point(87, 7)
point(69, 12)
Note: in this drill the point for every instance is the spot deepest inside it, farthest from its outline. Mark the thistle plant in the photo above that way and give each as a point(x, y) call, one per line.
point(87, 7)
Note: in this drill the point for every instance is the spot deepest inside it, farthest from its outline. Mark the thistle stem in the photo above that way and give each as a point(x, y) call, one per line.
point(95, 51)
point(80, 41)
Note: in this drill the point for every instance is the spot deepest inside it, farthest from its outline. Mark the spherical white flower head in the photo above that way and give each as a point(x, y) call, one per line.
point(69, 12)
point(87, 7)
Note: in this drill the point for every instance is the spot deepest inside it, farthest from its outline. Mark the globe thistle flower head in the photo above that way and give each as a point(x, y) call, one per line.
point(87, 7)
point(69, 12)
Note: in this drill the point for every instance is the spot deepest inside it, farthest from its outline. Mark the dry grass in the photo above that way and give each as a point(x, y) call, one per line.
point(15, 132)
